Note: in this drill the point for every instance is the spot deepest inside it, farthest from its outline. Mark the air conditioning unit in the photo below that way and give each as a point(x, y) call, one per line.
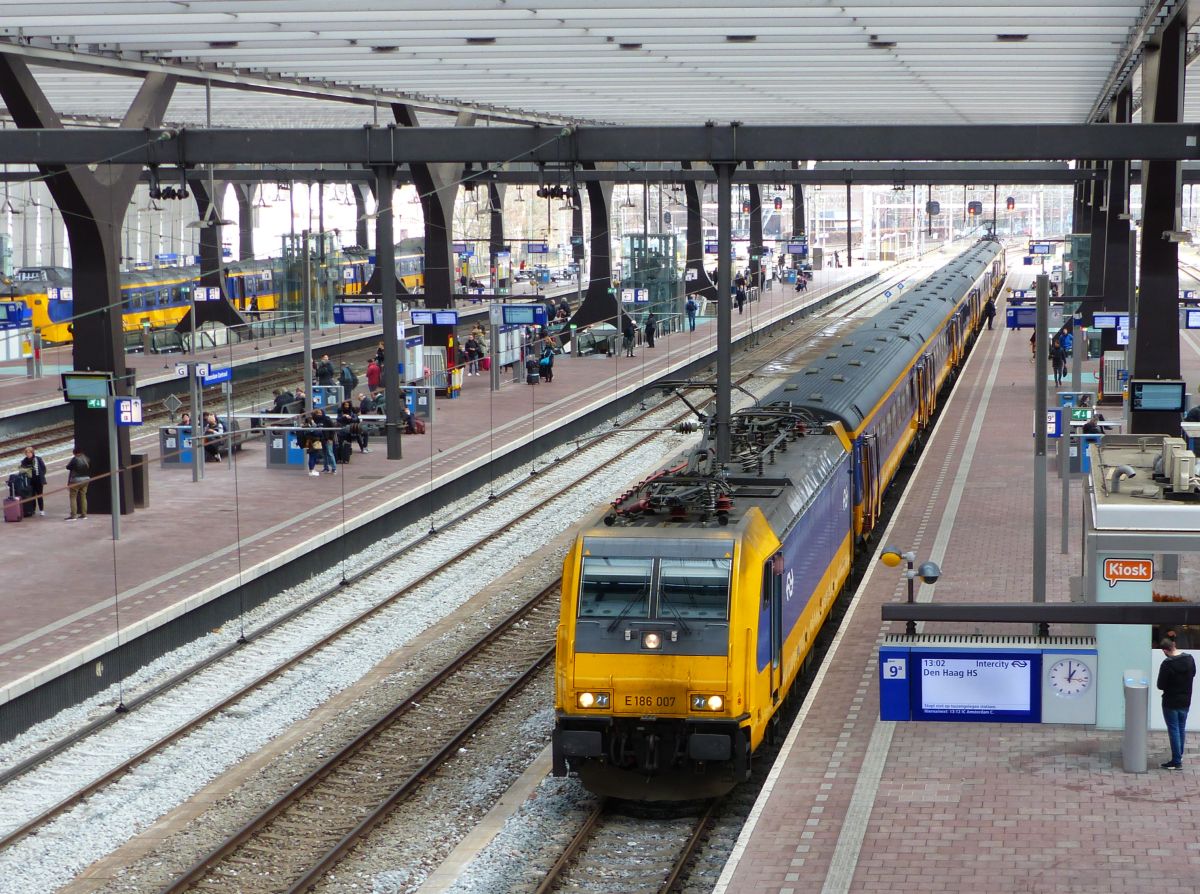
point(1169, 448)
point(1185, 465)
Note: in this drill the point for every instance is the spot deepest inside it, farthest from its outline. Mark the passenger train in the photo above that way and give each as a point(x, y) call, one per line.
point(161, 296)
point(690, 603)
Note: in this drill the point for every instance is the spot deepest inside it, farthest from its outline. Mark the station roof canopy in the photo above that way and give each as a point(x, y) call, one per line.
point(633, 63)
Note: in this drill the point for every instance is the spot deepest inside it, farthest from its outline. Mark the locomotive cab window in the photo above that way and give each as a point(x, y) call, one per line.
point(694, 588)
point(611, 587)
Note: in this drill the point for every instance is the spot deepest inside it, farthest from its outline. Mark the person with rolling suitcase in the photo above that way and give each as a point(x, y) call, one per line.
point(34, 467)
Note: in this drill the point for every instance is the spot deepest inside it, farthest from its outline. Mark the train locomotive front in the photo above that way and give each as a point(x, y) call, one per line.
point(690, 604)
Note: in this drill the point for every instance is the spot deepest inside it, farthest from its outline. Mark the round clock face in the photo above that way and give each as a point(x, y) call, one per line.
point(1070, 677)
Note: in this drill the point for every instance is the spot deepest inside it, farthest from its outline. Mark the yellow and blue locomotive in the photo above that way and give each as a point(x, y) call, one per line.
point(691, 603)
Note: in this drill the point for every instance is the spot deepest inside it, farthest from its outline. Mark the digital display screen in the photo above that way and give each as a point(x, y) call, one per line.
point(1192, 319)
point(978, 686)
point(797, 248)
point(358, 313)
point(84, 386)
point(537, 248)
point(1104, 321)
point(1165, 396)
point(1040, 248)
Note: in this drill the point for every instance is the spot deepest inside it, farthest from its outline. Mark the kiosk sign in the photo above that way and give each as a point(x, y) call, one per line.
point(1133, 570)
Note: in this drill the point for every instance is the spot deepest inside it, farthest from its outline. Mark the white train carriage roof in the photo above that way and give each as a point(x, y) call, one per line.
point(855, 375)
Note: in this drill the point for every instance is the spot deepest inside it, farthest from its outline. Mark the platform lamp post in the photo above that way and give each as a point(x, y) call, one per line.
point(929, 572)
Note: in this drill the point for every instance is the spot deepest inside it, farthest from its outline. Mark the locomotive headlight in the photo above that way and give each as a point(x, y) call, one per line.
point(651, 640)
point(592, 699)
point(707, 702)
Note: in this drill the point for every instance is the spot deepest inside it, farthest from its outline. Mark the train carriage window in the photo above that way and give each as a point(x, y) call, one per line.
point(612, 587)
point(694, 588)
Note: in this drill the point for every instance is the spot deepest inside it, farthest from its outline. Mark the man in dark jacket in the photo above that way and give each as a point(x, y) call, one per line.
point(1175, 677)
point(325, 371)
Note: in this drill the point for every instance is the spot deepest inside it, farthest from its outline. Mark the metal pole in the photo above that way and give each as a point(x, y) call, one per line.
point(724, 318)
point(1064, 472)
point(1040, 366)
point(494, 353)
point(928, 216)
point(385, 259)
point(306, 297)
point(195, 398)
point(114, 471)
point(1079, 341)
point(849, 260)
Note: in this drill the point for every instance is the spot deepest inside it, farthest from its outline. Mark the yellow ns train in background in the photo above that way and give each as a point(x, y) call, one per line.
point(160, 297)
point(690, 603)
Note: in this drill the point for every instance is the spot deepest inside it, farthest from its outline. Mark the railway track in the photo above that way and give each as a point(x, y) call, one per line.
point(617, 851)
point(299, 837)
point(465, 526)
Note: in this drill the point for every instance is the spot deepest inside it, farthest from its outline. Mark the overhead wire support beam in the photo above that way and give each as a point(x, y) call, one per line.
point(550, 145)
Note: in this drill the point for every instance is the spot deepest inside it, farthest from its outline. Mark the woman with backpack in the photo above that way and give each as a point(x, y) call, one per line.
point(546, 363)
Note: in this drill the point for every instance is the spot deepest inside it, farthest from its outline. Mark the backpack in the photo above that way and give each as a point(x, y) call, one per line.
point(349, 379)
point(82, 467)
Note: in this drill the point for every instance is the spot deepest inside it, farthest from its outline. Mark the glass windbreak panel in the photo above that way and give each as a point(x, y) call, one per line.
point(611, 587)
point(694, 588)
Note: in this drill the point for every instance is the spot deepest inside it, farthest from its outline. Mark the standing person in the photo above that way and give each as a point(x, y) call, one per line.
point(323, 420)
point(35, 467)
point(366, 405)
point(374, 376)
point(348, 380)
point(252, 309)
point(79, 475)
point(1175, 677)
point(1058, 359)
point(546, 363)
point(379, 355)
point(691, 307)
point(629, 333)
point(739, 298)
point(474, 351)
point(325, 371)
point(989, 312)
point(651, 328)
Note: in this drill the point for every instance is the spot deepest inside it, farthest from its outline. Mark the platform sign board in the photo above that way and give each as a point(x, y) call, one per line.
point(1054, 423)
point(86, 385)
point(710, 248)
point(691, 275)
point(1041, 248)
point(354, 314)
point(537, 248)
point(127, 411)
point(976, 686)
point(219, 375)
point(434, 317)
point(1192, 319)
point(798, 248)
point(459, 247)
point(521, 314)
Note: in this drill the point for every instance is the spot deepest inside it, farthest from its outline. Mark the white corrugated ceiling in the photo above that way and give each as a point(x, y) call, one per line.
point(653, 62)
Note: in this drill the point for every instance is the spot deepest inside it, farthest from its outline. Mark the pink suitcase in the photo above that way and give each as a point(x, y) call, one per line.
point(12, 509)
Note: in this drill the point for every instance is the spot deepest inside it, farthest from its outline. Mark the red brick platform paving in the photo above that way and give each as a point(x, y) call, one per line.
point(979, 807)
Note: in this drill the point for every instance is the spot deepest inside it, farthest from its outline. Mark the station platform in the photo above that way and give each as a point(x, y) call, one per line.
point(81, 594)
point(20, 395)
point(856, 804)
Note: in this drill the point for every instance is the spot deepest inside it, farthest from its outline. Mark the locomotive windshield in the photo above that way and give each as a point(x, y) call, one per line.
point(611, 587)
point(694, 588)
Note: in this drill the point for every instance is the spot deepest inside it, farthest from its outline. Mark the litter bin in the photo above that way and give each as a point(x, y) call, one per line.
point(140, 473)
point(1137, 700)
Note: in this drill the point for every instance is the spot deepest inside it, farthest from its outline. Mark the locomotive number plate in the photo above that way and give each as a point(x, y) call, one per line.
point(648, 701)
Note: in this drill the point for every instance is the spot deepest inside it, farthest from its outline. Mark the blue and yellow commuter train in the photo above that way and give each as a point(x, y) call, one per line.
point(160, 297)
point(690, 603)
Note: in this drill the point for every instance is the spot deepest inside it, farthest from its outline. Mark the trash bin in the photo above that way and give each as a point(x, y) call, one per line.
point(1133, 744)
point(140, 473)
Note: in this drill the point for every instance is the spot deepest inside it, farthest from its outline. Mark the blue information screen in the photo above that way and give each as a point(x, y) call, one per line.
point(976, 686)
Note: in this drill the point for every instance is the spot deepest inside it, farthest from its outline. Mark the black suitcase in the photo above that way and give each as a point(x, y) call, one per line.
point(345, 452)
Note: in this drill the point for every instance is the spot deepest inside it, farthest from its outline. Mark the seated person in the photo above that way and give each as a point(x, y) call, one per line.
point(1092, 426)
point(1192, 415)
point(213, 429)
point(282, 399)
